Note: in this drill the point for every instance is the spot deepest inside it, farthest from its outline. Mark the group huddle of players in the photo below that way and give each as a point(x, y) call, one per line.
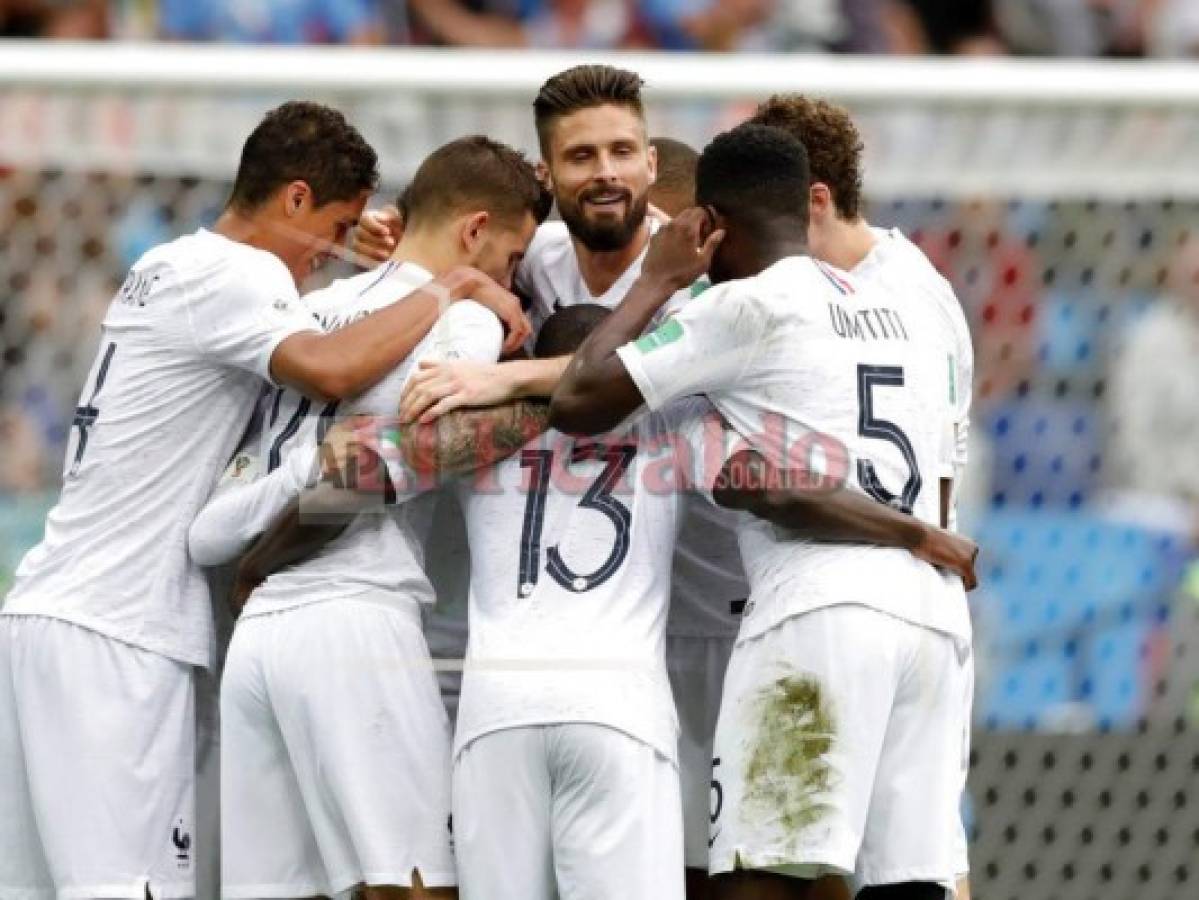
point(717, 641)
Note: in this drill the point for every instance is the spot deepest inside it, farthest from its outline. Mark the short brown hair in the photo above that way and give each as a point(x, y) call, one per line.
point(582, 88)
point(831, 139)
point(309, 142)
point(675, 184)
point(474, 173)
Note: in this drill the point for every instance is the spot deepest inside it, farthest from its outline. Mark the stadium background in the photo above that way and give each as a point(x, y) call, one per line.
point(1058, 196)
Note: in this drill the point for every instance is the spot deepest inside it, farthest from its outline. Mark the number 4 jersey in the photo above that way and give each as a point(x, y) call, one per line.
point(185, 349)
point(817, 369)
point(571, 541)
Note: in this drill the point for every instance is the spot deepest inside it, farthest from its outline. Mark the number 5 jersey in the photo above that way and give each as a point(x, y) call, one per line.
point(818, 370)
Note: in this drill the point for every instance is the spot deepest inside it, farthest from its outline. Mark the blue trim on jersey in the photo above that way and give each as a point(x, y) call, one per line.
point(387, 270)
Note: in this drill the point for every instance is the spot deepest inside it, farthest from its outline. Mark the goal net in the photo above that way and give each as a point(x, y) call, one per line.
point(1059, 198)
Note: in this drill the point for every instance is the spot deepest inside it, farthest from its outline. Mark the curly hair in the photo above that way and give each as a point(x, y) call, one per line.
point(831, 139)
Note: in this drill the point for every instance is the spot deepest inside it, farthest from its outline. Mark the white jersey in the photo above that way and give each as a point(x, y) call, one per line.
point(707, 573)
point(568, 593)
point(802, 360)
point(897, 266)
point(185, 346)
point(379, 557)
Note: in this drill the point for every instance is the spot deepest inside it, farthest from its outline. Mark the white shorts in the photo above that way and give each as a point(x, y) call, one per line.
point(584, 807)
point(962, 842)
point(697, 666)
point(840, 750)
point(97, 766)
point(336, 754)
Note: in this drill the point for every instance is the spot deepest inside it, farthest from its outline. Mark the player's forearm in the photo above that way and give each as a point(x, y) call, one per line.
point(596, 392)
point(828, 515)
point(468, 439)
point(346, 362)
point(293, 538)
point(534, 378)
point(233, 519)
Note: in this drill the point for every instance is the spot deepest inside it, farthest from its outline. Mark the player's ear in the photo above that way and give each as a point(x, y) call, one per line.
point(652, 155)
point(297, 197)
point(474, 230)
point(543, 175)
point(820, 199)
point(715, 221)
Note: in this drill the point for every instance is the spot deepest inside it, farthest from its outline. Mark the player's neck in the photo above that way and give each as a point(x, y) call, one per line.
point(602, 270)
point(847, 243)
point(425, 250)
point(252, 230)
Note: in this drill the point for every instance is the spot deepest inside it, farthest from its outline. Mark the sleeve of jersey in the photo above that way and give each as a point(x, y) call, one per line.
point(467, 332)
point(239, 512)
point(706, 346)
point(242, 323)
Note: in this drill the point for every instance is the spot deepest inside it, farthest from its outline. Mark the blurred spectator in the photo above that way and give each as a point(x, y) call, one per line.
point(1174, 30)
point(560, 24)
point(272, 21)
point(847, 25)
point(959, 27)
point(69, 19)
point(1154, 416)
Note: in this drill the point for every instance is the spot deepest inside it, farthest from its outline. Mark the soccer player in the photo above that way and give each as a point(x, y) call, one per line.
point(674, 188)
point(108, 617)
point(841, 732)
point(565, 781)
point(594, 144)
point(337, 774)
point(839, 234)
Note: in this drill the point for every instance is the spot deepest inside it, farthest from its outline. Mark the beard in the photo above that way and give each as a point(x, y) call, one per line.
point(607, 235)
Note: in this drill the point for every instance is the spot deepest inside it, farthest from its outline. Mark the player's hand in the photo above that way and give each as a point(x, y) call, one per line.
point(951, 552)
point(682, 250)
point(465, 283)
point(376, 236)
point(437, 388)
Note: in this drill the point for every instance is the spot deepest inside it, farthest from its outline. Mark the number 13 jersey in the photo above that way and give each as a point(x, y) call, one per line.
point(808, 364)
point(570, 542)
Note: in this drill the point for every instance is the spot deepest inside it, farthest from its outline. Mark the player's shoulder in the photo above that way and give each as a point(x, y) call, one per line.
point(471, 313)
point(204, 262)
point(895, 254)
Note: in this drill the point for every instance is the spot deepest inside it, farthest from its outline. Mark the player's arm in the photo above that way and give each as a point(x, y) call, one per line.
point(353, 479)
point(235, 517)
point(344, 363)
point(465, 440)
point(597, 391)
point(438, 388)
point(749, 483)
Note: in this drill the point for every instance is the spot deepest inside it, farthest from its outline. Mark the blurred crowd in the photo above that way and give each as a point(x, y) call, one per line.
point(1125, 28)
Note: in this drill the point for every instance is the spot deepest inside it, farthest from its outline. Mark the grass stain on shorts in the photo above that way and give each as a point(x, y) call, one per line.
point(787, 773)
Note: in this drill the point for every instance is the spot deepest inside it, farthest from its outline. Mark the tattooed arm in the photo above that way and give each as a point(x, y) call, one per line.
point(467, 439)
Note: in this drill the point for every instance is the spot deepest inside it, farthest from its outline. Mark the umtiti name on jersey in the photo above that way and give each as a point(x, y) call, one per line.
point(878, 324)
